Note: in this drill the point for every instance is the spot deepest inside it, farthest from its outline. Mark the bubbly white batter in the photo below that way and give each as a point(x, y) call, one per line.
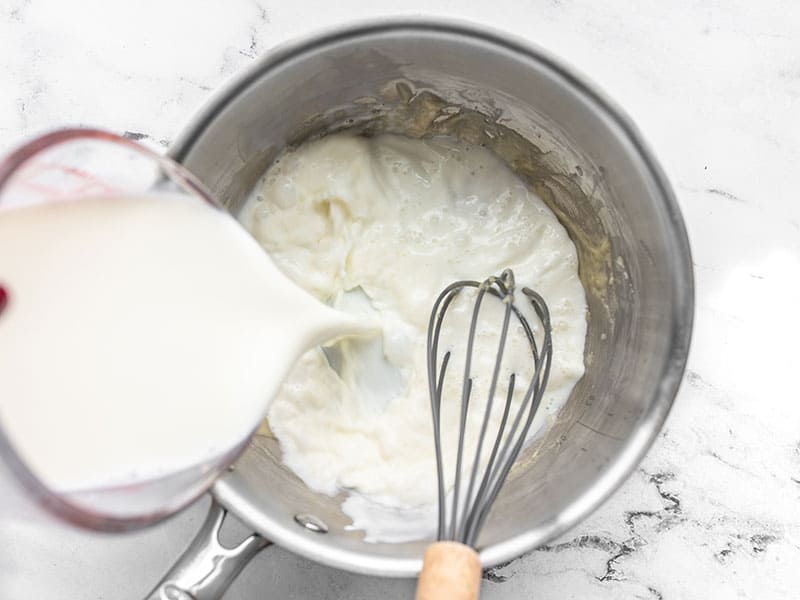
point(382, 225)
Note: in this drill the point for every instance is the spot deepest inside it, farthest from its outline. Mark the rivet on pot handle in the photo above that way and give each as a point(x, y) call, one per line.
point(206, 569)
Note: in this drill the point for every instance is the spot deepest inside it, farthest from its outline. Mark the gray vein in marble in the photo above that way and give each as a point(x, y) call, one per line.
point(756, 543)
point(656, 594)
point(724, 194)
point(713, 191)
point(16, 12)
point(667, 517)
point(254, 48)
point(716, 456)
point(197, 84)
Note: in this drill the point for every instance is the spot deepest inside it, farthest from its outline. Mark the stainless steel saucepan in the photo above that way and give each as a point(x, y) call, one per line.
point(579, 153)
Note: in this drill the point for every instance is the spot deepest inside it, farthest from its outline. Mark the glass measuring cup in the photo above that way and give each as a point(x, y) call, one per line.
point(61, 167)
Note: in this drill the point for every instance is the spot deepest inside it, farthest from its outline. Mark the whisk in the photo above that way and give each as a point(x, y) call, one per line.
point(451, 567)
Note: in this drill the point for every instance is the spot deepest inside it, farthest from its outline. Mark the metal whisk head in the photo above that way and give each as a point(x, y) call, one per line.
point(469, 510)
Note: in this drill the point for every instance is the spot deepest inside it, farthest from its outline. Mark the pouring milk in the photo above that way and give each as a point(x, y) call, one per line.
point(141, 336)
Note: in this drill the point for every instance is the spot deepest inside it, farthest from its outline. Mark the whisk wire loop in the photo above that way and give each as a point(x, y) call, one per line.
point(464, 525)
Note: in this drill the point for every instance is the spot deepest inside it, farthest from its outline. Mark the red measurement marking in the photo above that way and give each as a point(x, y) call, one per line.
point(69, 182)
point(3, 298)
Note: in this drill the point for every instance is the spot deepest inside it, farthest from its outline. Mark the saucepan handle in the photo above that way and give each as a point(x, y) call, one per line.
point(206, 569)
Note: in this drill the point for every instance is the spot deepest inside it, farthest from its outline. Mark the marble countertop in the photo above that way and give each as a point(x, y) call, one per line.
point(714, 510)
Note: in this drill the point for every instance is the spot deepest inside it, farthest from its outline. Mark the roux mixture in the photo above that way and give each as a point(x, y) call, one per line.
point(380, 226)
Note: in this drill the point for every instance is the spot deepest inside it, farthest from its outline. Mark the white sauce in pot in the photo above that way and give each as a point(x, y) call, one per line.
point(380, 226)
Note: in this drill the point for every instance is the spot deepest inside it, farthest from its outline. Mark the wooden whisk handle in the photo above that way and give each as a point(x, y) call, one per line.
point(450, 571)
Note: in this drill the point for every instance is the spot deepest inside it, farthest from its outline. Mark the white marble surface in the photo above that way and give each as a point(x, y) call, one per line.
point(714, 510)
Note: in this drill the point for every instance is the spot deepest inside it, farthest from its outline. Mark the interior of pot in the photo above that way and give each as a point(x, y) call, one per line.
point(578, 155)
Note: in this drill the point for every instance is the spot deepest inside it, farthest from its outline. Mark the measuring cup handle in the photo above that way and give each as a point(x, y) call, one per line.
point(206, 568)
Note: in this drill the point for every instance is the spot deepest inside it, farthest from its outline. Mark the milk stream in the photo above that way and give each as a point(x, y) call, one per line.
point(141, 336)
